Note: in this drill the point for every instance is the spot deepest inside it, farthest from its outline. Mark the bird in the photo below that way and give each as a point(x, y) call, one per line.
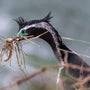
point(52, 37)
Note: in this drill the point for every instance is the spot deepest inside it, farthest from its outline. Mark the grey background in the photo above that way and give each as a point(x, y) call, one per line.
point(71, 19)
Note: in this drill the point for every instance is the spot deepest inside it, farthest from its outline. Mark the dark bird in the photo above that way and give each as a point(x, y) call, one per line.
point(52, 37)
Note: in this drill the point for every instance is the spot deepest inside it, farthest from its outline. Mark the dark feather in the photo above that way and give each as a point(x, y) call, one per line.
point(21, 22)
point(47, 18)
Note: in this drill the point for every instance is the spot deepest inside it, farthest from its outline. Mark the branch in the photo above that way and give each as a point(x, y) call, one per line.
point(43, 69)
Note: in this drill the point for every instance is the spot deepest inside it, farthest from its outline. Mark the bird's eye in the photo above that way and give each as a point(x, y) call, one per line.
point(23, 31)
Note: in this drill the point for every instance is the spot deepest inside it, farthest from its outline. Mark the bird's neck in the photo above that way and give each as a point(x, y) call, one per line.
point(61, 51)
point(55, 41)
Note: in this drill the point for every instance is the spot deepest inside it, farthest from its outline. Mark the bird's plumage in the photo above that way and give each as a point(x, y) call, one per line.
point(37, 27)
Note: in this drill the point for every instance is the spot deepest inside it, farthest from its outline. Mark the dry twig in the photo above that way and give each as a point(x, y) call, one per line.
point(43, 69)
point(14, 44)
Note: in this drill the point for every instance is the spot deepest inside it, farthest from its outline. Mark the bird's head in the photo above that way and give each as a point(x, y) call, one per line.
point(33, 27)
point(38, 27)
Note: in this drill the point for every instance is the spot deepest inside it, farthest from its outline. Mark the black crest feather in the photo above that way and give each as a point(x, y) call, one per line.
point(48, 17)
point(21, 22)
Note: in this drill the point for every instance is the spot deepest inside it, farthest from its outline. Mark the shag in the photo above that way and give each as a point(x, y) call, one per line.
point(52, 37)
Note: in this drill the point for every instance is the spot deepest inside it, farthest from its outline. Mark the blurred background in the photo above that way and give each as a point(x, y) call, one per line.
point(71, 19)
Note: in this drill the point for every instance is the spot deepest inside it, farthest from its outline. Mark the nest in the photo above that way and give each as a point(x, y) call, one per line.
point(14, 45)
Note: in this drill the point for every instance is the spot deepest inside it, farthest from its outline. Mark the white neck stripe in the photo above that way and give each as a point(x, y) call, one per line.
point(43, 25)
